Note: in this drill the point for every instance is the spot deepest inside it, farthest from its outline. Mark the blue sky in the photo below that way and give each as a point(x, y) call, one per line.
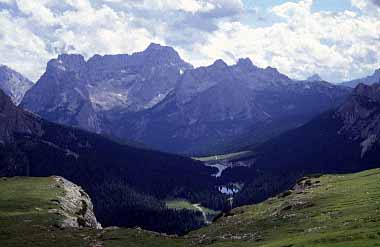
point(340, 40)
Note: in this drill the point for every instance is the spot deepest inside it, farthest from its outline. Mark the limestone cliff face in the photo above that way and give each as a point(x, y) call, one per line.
point(75, 206)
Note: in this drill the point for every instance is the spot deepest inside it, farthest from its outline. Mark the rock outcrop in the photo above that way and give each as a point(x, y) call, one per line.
point(75, 206)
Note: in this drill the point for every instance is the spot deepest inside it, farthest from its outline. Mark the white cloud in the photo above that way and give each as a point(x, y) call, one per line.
point(371, 7)
point(299, 42)
point(19, 47)
point(338, 46)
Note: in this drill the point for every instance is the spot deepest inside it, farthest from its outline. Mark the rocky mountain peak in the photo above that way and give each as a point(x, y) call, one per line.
point(245, 64)
point(156, 47)
point(220, 64)
point(271, 70)
point(161, 55)
point(67, 62)
point(314, 77)
point(13, 84)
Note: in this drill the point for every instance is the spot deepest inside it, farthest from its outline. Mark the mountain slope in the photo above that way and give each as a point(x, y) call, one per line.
point(33, 212)
point(13, 84)
point(128, 185)
point(331, 210)
point(343, 140)
point(369, 80)
point(215, 105)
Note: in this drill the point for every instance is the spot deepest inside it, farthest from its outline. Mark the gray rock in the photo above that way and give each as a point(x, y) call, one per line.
point(361, 120)
point(13, 84)
point(212, 106)
point(75, 206)
point(75, 92)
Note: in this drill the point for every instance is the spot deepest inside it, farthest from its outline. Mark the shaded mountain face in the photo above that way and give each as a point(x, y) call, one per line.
point(369, 80)
point(13, 119)
point(124, 182)
point(339, 141)
point(218, 104)
point(13, 84)
point(155, 98)
point(75, 92)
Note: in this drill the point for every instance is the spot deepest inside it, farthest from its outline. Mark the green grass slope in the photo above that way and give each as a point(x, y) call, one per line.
point(25, 220)
point(328, 211)
point(24, 214)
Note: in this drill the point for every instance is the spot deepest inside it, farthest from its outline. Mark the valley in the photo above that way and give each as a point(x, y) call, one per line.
point(219, 123)
point(163, 169)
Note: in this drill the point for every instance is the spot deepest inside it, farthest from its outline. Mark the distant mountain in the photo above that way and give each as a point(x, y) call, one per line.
point(369, 80)
point(314, 77)
point(215, 105)
point(156, 99)
point(344, 140)
point(128, 185)
point(75, 92)
point(13, 84)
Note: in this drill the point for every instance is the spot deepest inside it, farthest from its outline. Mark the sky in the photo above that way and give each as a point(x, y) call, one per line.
point(337, 39)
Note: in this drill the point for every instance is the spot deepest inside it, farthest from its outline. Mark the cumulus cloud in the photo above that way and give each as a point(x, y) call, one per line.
point(338, 46)
point(371, 7)
point(46, 28)
point(298, 41)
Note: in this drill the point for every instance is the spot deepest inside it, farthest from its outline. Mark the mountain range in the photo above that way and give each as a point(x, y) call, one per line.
point(157, 99)
point(98, 122)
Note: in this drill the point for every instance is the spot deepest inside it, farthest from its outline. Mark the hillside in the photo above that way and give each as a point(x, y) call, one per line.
point(30, 215)
point(339, 141)
point(332, 210)
point(329, 211)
